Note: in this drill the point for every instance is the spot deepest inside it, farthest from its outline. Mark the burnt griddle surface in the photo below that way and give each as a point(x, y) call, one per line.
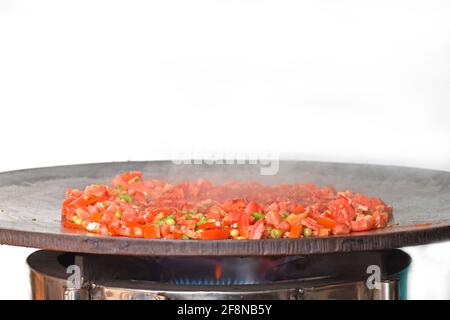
point(30, 202)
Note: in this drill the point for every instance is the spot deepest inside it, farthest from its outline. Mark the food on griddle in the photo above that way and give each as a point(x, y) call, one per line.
point(134, 207)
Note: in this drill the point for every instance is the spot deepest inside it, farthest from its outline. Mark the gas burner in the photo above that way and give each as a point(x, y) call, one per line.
point(330, 276)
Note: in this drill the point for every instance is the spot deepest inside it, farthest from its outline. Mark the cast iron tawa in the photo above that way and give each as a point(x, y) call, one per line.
point(30, 207)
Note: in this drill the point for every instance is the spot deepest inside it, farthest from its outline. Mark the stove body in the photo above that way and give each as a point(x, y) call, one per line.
point(57, 275)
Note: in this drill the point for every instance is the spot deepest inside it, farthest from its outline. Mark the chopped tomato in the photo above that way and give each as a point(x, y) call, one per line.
point(138, 233)
point(323, 232)
point(125, 231)
point(165, 230)
point(326, 222)
point(284, 226)
point(244, 224)
point(97, 191)
point(177, 234)
point(134, 207)
point(251, 207)
point(130, 175)
point(296, 231)
point(97, 217)
point(83, 201)
point(258, 230)
point(273, 207)
point(298, 209)
point(69, 224)
point(342, 211)
point(273, 218)
point(380, 219)
point(215, 234)
point(210, 225)
point(150, 231)
point(362, 225)
point(73, 194)
point(341, 228)
point(311, 223)
point(215, 212)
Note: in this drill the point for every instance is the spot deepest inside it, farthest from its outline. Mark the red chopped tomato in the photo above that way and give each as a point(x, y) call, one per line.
point(125, 231)
point(311, 223)
point(273, 218)
point(189, 224)
point(380, 219)
point(326, 222)
point(73, 194)
point(150, 231)
point(130, 175)
point(298, 209)
point(165, 230)
point(341, 228)
point(210, 225)
point(296, 231)
point(134, 207)
point(342, 211)
point(83, 201)
point(323, 232)
point(251, 207)
point(138, 232)
point(257, 230)
point(97, 217)
point(215, 234)
point(244, 224)
point(177, 234)
point(362, 225)
point(97, 191)
point(69, 224)
point(284, 226)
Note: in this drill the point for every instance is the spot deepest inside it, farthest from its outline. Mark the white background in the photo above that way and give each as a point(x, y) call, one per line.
point(358, 81)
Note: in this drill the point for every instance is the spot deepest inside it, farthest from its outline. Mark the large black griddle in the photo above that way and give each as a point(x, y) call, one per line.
point(30, 202)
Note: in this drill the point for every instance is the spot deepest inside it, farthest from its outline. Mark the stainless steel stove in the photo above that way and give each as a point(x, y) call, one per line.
point(324, 276)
